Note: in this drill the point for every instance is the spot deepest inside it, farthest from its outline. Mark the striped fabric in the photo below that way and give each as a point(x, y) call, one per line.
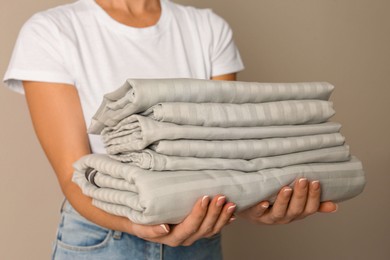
point(290, 112)
point(172, 141)
point(237, 149)
point(245, 149)
point(150, 160)
point(153, 197)
point(138, 95)
point(137, 132)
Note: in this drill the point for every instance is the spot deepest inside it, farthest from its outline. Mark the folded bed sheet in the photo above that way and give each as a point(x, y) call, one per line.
point(150, 160)
point(138, 95)
point(289, 112)
point(244, 149)
point(152, 197)
point(137, 132)
point(238, 149)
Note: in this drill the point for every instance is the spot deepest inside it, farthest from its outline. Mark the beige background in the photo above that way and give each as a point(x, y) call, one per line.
point(345, 42)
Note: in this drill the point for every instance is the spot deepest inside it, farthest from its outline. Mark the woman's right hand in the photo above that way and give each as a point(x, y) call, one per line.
point(207, 218)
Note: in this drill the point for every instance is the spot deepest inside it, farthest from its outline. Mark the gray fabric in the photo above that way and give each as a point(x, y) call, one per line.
point(244, 149)
point(147, 159)
point(289, 112)
point(185, 138)
point(235, 149)
point(137, 95)
point(137, 132)
point(152, 197)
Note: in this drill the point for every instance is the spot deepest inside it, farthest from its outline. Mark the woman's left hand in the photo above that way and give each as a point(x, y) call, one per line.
point(290, 204)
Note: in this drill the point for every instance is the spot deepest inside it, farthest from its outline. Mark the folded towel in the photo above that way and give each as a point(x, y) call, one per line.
point(152, 197)
point(289, 112)
point(150, 160)
point(244, 149)
point(137, 95)
point(137, 132)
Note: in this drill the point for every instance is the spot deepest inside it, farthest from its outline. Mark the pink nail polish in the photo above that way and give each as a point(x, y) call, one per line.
point(315, 185)
point(164, 228)
point(205, 201)
point(302, 182)
point(221, 201)
point(231, 208)
point(265, 205)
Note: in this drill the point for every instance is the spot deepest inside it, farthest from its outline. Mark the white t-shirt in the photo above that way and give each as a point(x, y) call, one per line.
point(80, 44)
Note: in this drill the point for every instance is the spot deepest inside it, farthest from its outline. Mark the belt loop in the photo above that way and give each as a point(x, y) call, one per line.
point(161, 251)
point(117, 235)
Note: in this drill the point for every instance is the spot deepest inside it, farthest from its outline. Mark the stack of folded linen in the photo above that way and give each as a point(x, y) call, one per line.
point(171, 141)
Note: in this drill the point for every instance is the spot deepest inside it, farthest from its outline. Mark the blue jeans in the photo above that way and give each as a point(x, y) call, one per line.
point(78, 238)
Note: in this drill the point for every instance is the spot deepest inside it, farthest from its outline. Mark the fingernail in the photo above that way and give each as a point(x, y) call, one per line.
point(205, 201)
point(221, 201)
point(232, 219)
point(164, 228)
point(302, 182)
point(337, 207)
point(265, 205)
point(315, 185)
point(287, 191)
point(231, 208)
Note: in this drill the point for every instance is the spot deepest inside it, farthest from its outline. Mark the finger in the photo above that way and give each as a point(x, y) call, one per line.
point(328, 207)
point(150, 232)
point(259, 209)
point(225, 218)
point(298, 199)
point(191, 223)
point(279, 209)
point(213, 213)
point(313, 199)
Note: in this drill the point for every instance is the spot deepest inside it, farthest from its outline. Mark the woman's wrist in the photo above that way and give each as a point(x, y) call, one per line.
point(126, 226)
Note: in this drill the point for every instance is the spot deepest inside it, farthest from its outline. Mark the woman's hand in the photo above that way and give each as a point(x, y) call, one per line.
point(206, 219)
point(290, 205)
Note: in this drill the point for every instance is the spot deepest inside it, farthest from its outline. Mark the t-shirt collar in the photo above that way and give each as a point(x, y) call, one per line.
point(140, 32)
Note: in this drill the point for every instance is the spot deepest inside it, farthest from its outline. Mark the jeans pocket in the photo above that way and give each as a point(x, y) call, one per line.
point(78, 234)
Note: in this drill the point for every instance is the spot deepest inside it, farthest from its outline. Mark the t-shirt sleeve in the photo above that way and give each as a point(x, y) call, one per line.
point(225, 57)
point(38, 55)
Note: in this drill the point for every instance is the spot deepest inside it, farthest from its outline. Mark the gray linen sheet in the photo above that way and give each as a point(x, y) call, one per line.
point(137, 132)
point(152, 197)
point(150, 160)
point(237, 149)
point(289, 112)
point(244, 149)
point(138, 95)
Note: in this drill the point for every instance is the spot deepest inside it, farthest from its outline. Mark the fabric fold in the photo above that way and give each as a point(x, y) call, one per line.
point(137, 132)
point(244, 149)
point(169, 142)
point(289, 112)
point(151, 160)
point(159, 197)
point(137, 95)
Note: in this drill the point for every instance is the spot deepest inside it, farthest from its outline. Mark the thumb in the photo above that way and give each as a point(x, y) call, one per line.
point(163, 229)
point(150, 232)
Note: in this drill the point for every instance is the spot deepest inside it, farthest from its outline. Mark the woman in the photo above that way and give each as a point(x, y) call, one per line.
point(67, 57)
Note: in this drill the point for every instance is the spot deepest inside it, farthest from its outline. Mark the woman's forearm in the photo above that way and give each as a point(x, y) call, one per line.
point(60, 127)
